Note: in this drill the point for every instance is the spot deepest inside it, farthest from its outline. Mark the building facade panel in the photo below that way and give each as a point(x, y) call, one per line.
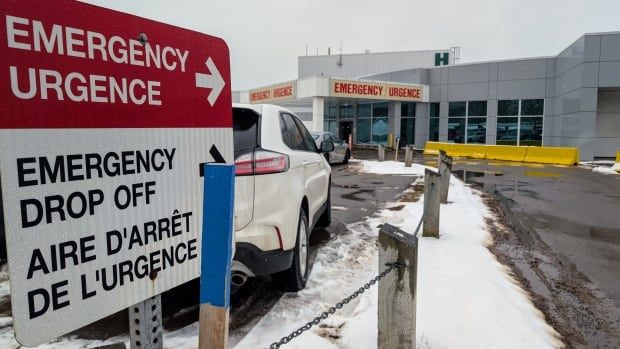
point(570, 57)
point(609, 74)
point(521, 89)
point(523, 69)
point(468, 91)
point(468, 73)
point(352, 66)
point(610, 47)
point(592, 48)
point(569, 80)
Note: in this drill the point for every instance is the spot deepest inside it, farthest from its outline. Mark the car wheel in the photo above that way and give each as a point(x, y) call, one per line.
point(347, 156)
point(294, 278)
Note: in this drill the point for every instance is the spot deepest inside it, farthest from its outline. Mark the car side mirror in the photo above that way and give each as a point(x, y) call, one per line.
point(327, 146)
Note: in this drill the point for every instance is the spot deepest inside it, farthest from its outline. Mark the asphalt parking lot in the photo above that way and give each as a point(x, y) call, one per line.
point(573, 210)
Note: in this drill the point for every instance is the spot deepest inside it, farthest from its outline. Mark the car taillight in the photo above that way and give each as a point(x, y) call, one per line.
point(260, 162)
point(244, 165)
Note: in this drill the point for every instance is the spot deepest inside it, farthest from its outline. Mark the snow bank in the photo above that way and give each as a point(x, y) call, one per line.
point(605, 170)
point(466, 298)
point(607, 167)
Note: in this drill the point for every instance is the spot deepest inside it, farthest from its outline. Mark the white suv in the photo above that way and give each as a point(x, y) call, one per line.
point(282, 191)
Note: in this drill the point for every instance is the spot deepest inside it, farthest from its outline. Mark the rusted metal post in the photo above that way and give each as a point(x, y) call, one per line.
point(445, 169)
point(381, 152)
point(351, 146)
point(397, 290)
point(145, 326)
point(397, 144)
point(408, 156)
point(430, 218)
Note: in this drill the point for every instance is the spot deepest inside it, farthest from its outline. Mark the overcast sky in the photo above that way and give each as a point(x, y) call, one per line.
point(266, 36)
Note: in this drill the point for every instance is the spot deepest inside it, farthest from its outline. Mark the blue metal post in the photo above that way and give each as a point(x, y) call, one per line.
point(216, 254)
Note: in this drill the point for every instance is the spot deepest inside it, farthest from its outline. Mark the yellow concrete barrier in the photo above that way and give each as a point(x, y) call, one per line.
point(543, 155)
point(552, 155)
point(505, 152)
point(616, 167)
point(478, 151)
point(432, 148)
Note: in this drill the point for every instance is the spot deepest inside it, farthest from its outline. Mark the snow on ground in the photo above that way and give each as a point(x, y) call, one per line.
point(608, 167)
point(605, 170)
point(466, 298)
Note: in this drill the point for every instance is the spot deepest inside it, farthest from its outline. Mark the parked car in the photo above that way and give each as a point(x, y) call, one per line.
point(341, 152)
point(282, 191)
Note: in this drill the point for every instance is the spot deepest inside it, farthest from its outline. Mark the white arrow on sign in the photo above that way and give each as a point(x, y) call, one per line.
point(214, 81)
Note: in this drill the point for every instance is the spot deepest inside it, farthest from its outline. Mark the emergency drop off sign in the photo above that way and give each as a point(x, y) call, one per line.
point(104, 121)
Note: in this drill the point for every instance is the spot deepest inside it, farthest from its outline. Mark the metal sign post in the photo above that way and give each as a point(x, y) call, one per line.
point(217, 240)
point(145, 325)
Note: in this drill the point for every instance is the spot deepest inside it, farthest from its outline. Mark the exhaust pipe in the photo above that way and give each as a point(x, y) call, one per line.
point(238, 278)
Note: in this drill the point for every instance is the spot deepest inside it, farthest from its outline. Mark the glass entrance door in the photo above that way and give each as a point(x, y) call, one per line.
point(345, 129)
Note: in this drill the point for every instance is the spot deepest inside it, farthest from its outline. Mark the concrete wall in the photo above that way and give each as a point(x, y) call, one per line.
point(493, 81)
point(607, 123)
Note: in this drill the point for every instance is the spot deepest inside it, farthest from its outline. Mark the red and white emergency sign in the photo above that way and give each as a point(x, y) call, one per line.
point(104, 122)
point(376, 90)
point(278, 92)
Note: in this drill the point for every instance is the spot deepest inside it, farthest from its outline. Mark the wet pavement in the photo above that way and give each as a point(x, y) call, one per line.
point(575, 211)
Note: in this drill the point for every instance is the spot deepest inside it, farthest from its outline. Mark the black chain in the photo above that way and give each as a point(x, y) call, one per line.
point(338, 306)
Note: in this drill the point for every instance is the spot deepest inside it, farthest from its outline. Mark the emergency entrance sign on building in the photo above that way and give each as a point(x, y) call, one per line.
point(105, 120)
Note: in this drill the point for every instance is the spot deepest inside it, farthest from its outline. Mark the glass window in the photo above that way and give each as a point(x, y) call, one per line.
point(245, 129)
point(363, 131)
point(456, 130)
point(379, 130)
point(532, 106)
point(379, 109)
point(434, 110)
point(531, 131)
point(330, 126)
point(291, 135)
point(477, 108)
point(433, 132)
point(477, 130)
point(331, 113)
point(308, 140)
point(346, 111)
point(507, 131)
point(364, 110)
point(407, 110)
point(407, 131)
point(508, 107)
point(457, 108)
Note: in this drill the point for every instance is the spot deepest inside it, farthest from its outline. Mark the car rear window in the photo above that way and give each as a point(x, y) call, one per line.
point(245, 129)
